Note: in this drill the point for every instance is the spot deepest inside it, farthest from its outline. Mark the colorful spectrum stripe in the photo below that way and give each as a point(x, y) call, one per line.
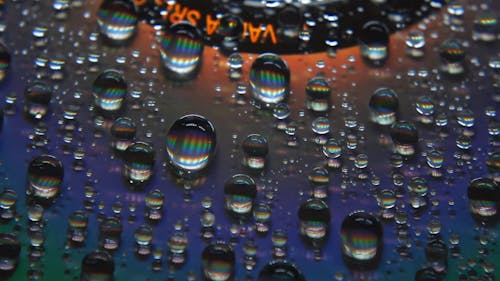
point(359, 243)
point(117, 20)
point(191, 143)
point(180, 53)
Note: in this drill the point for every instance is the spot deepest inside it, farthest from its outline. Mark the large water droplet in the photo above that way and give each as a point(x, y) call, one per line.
point(280, 270)
point(191, 143)
point(45, 176)
point(485, 27)
point(374, 43)
point(361, 236)
point(269, 80)
point(10, 248)
point(181, 50)
point(314, 221)
point(36, 100)
point(384, 104)
point(256, 148)
point(109, 91)
point(405, 137)
point(452, 56)
point(240, 192)
point(484, 197)
point(98, 266)
point(110, 232)
point(318, 92)
point(117, 20)
point(415, 43)
point(123, 132)
point(139, 159)
point(218, 261)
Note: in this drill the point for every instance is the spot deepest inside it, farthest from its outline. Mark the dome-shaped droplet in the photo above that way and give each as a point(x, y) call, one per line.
point(98, 266)
point(230, 30)
point(428, 274)
point(5, 59)
point(77, 229)
point(269, 80)
point(318, 92)
point(452, 55)
point(384, 104)
point(374, 42)
point(240, 192)
point(8, 198)
point(10, 249)
point(361, 236)
point(117, 20)
point(218, 261)
point(181, 49)
point(139, 159)
point(280, 270)
point(484, 197)
point(321, 125)
point(143, 235)
point(256, 148)
point(45, 176)
point(418, 185)
point(110, 231)
point(123, 132)
point(36, 100)
point(415, 43)
point(191, 143)
point(314, 221)
point(405, 137)
point(485, 26)
point(109, 90)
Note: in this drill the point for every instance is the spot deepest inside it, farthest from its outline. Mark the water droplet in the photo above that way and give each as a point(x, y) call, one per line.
point(332, 148)
point(281, 111)
point(262, 216)
point(321, 125)
point(45, 176)
point(37, 99)
point(418, 186)
point(235, 63)
point(240, 192)
point(218, 261)
point(427, 274)
point(123, 132)
point(465, 118)
point(269, 80)
point(485, 27)
point(109, 90)
point(484, 197)
point(143, 235)
point(415, 43)
point(77, 230)
point(230, 29)
point(405, 137)
point(452, 55)
point(280, 270)
point(256, 148)
point(191, 144)
point(374, 42)
point(139, 159)
point(5, 59)
point(361, 236)
point(117, 20)
point(384, 104)
point(8, 198)
point(154, 205)
point(98, 266)
point(314, 221)
point(435, 159)
point(318, 92)
point(181, 50)
point(10, 249)
point(319, 178)
point(110, 232)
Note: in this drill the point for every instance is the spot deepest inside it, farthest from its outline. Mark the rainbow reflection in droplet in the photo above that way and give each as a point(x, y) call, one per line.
point(45, 175)
point(269, 80)
point(361, 236)
point(191, 144)
point(181, 49)
point(218, 261)
point(384, 105)
point(117, 19)
point(109, 90)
